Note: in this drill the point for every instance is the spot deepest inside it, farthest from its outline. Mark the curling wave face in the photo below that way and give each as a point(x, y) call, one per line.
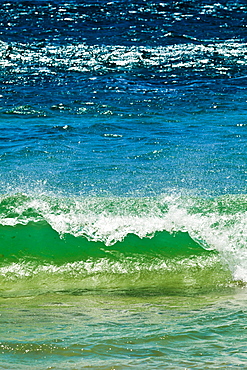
point(167, 242)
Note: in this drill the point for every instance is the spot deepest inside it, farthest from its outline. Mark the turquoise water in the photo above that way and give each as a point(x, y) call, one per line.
point(123, 206)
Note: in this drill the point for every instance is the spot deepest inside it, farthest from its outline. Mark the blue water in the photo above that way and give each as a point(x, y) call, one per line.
point(123, 206)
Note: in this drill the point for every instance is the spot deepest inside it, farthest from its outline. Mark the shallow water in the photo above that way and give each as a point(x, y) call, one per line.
point(124, 330)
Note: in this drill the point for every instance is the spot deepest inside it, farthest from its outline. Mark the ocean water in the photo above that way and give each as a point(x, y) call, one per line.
point(123, 177)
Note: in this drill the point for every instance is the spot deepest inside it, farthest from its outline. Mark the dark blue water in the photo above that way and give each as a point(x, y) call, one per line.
point(123, 97)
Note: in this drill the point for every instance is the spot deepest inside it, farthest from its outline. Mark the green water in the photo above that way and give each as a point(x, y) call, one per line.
point(120, 283)
point(124, 330)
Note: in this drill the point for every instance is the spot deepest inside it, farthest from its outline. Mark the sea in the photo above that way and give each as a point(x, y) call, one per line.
point(123, 184)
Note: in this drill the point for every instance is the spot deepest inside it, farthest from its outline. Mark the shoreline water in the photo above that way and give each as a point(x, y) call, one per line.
point(124, 331)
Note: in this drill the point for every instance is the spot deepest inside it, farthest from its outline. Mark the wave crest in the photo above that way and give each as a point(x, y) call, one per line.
point(69, 229)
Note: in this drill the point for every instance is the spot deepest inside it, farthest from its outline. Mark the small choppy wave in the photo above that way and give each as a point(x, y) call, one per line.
point(71, 78)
